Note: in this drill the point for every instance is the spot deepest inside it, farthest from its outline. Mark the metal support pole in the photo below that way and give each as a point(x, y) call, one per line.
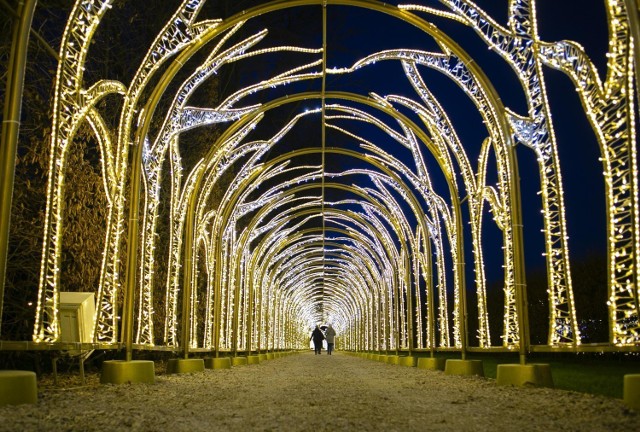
point(132, 250)
point(395, 329)
point(235, 338)
point(217, 301)
point(410, 312)
point(11, 129)
point(430, 306)
point(82, 378)
point(187, 277)
point(518, 258)
point(462, 284)
point(250, 310)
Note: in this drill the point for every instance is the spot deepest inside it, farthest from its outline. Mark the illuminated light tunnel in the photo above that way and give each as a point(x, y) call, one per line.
point(401, 190)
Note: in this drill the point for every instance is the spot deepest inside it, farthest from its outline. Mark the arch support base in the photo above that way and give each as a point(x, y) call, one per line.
point(239, 361)
point(408, 361)
point(538, 375)
point(463, 367)
point(217, 363)
point(632, 391)
point(431, 363)
point(18, 387)
point(179, 366)
point(133, 371)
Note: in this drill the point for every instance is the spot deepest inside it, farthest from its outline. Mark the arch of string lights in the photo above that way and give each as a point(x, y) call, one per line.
point(376, 249)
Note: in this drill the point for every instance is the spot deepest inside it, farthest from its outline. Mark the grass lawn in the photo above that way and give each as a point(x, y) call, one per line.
point(587, 373)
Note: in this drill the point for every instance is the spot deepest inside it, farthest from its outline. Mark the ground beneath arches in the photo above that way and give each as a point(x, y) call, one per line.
point(306, 392)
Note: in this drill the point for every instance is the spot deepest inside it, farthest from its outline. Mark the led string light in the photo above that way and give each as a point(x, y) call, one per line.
point(444, 136)
point(251, 297)
point(517, 45)
point(177, 34)
point(81, 25)
point(422, 183)
point(277, 225)
point(67, 107)
point(610, 108)
point(303, 261)
point(258, 148)
point(180, 118)
point(601, 102)
point(452, 67)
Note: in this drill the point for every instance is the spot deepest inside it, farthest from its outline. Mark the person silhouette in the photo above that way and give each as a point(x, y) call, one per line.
point(317, 336)
point(330, 335)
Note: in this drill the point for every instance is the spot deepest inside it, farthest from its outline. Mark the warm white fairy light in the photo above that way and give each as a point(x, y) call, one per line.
point(303, 260)
point(229, 283)
point(82, 23)
point(177, 34)
point(67, 104)
point(173, 283)
point(368, 281)
point(179, 119)
point(444, 136)
point(297, 180)
point(517, 45)
point(451, 66)
point(395, 218)
point(610, 109)
point(601, 102)
point(278, 226)
point(421, 183)
point(266, 292)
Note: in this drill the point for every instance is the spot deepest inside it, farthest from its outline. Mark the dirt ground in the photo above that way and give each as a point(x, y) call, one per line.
point(306, 392)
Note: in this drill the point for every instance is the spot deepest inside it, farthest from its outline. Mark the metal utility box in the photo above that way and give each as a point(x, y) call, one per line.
point(77, 311)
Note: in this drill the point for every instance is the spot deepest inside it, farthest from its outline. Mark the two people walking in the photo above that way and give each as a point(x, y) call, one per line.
point(318, 336)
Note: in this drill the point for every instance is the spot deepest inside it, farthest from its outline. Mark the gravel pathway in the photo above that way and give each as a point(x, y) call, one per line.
point(306, 392)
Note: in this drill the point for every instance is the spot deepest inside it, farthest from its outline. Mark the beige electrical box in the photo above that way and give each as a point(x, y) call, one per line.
point(77, 311)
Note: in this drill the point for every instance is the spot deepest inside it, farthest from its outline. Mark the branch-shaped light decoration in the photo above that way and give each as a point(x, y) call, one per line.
point(278, 255)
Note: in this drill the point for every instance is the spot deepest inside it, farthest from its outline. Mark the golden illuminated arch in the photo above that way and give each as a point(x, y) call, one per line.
point(250, 303)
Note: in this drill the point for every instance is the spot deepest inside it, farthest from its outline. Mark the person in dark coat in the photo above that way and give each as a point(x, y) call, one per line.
point(317, 336)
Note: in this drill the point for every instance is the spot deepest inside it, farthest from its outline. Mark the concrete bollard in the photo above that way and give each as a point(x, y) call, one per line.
point(632, 391)
point(179, 366)
point(409, 361)
point(239, 361)
point(217, 363)
point(18, 387)
point(431, 363)
point(134, 371)
point(393, 359)
point(463, 367)
point(520, 375)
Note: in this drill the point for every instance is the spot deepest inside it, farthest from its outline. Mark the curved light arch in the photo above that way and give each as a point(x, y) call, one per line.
point(163, 82)
point(267, 209)
point(365, 101)
point(501, 201)
point(306, 151)
point(455, 49)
